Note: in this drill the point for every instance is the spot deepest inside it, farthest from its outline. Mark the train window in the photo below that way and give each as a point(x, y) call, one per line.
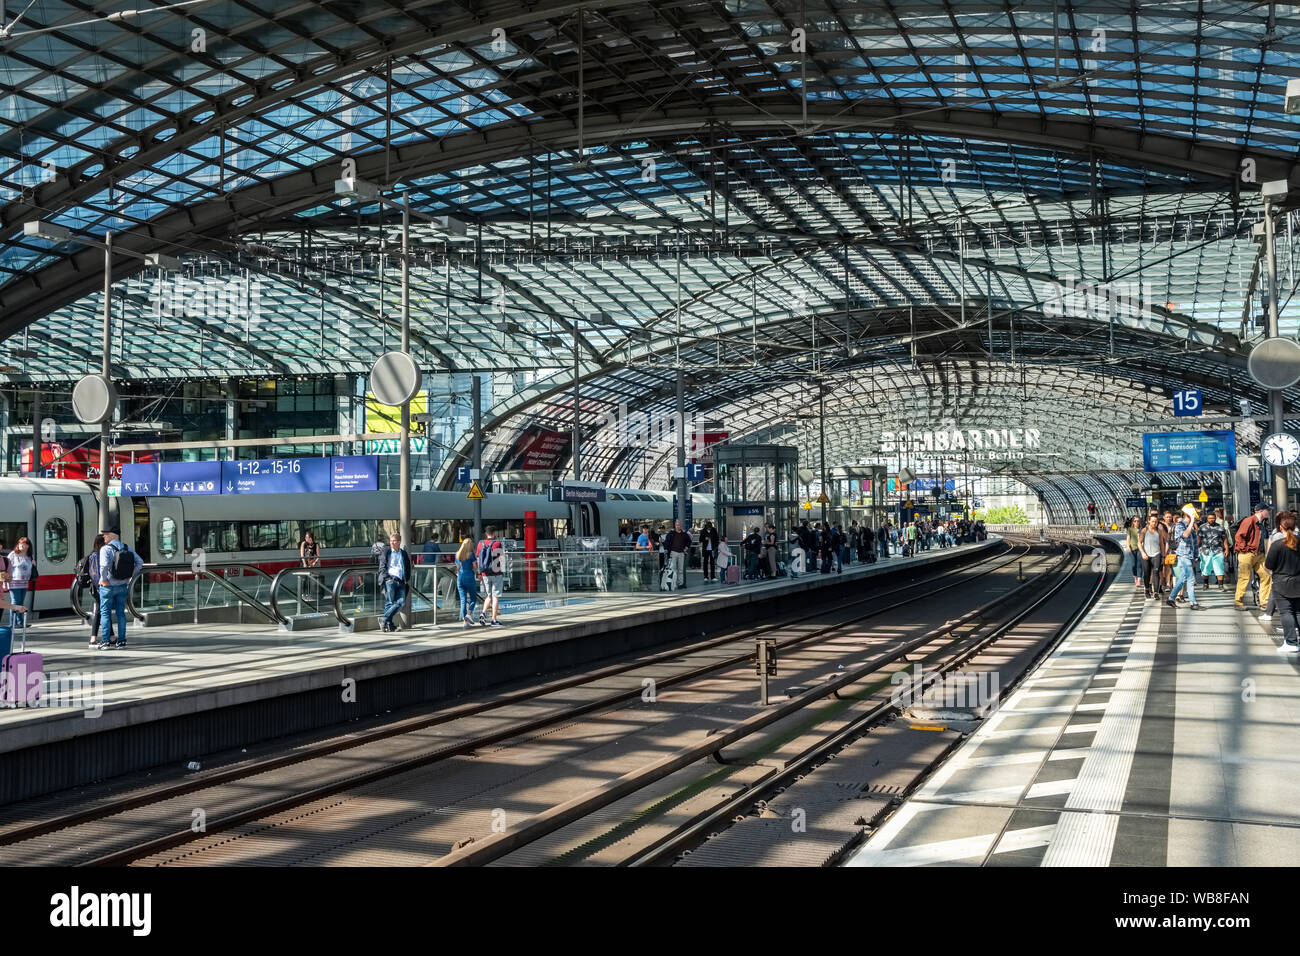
point(56, 540)
point(167, 538)
point(11, 531)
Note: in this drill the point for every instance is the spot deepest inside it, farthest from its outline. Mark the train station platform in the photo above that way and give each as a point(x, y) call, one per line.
point(1149, 737)
point(182, 691)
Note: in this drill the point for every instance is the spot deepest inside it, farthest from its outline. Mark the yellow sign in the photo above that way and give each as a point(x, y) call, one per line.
point(388, 418)
point(1202, 497)
point(807, 506)
point(822, 499)
point(475, 491)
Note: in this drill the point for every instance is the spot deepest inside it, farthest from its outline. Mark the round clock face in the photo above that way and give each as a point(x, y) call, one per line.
point(1281, 449)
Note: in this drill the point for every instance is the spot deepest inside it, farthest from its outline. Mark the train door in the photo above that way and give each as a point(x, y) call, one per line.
point(591, 520)
point(54, 537)
point(162, 532)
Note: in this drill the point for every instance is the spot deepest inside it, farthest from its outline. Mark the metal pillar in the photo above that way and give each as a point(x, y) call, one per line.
point(404, 470)
point(106, 334)
point(682, 490)
point(821, 441)
point(575, 510)
point(36, 432)
point(1275, 406)
point(476, 396)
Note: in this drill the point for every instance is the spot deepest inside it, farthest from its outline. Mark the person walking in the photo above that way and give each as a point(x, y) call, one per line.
point(466, 581)
point(678, 542)
point(1212, 543)
point(490, 564)
point(88, 571)
point(1282, 562)
point(1250, 545)
point(394, 578)
point(708, 551)
point(1151, 545)
point(1184, 538)
point(769, 549)
point(1134, 531)
point(118, 566)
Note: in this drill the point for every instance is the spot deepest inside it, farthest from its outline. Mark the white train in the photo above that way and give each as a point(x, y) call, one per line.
point(61, 518)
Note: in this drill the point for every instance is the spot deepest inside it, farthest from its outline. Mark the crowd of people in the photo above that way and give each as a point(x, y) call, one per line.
point(1168, 552)
point(811, 547)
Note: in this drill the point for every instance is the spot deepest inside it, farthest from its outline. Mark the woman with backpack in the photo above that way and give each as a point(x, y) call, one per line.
point(88, 574)
point(466, 581)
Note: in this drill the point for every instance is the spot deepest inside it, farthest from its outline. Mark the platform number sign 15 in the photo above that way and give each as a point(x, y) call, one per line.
point(1187, 401)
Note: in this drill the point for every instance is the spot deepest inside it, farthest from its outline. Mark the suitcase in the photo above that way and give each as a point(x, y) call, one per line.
point(21, 674)
point(667, 580)
point(733, 574)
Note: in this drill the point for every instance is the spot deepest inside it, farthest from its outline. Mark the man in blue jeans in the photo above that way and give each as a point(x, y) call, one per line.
point(1183, 545)
point(394, 577)
point(112, 589)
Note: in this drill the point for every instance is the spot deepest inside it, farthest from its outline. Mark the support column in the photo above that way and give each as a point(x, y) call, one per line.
point(683, 488)
point(105, 465)
point(1275, 406)
point(476, 398)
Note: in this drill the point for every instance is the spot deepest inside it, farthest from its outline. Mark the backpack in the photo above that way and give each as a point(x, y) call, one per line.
point(123, 566)
point(82, 572)
point(484, 556)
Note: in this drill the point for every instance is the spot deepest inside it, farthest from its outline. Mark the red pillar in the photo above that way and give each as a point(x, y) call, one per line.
point(530, 552)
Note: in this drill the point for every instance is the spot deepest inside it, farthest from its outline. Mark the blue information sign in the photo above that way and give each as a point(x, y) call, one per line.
point(354, 473)
point(275, 476)
point(265, 476)
point(1187, 401)
point(1135, 502)
point(140, 480)
point(189, 478)
point(929, 484)
point(747, 511)
point(462, 474)
point(1189, 451)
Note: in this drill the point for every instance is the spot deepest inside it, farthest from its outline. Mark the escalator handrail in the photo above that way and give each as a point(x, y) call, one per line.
point(371, 568)
point(300, 572)
point(206, 573)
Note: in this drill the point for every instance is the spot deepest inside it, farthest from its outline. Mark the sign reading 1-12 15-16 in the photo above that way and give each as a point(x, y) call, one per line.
point(1187, 401)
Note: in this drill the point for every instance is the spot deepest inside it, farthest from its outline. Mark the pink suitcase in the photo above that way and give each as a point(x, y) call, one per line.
point(21, 674)
point(733, 574)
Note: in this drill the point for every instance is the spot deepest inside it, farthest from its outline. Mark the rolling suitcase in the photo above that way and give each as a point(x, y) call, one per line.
point(668, 580)
point(21, 674)
point(733, 574)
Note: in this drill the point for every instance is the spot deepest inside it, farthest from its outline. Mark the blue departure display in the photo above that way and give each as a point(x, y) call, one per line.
point(263, 476)
point(275, 476)
point(1189, 451)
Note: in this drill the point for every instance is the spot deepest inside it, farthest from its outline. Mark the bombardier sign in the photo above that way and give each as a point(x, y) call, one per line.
point(995, 444)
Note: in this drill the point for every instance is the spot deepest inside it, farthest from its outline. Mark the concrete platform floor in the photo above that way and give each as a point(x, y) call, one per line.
point(1150, 737)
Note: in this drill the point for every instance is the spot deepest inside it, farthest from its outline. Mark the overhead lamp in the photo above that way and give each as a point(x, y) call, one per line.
point(1257, 231)
point(600, 318)
point(46, 230)
point(1292, 102)
point(451, 225)
point(1275, 189)
point(353, 188)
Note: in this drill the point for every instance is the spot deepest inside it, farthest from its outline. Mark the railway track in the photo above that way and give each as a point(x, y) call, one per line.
point(150, 823)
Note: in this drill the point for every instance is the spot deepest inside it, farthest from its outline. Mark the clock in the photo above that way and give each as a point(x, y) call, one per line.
point(1280, 449)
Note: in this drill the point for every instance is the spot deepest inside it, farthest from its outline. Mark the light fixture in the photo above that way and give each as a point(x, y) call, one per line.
point(1275, 189)
point(46, 230)
point(353, 188)
point(1292, 102)
point(451, 225)
point(160, 261)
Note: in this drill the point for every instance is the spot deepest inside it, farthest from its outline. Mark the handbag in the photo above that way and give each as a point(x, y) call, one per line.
point(1171, 558)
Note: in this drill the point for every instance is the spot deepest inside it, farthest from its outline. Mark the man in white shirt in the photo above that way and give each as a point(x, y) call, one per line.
point(394, 578)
